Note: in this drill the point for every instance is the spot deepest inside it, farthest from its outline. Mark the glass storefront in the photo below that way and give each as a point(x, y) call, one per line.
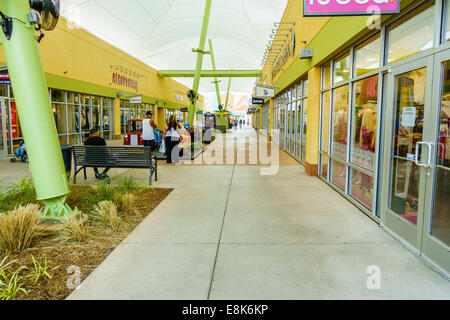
point(385, 128)
point(75, 115)
point(177, 113)
point(349, 109)
point(350, 103)
point(441, 205)
point(290, 118)
point(130, 111)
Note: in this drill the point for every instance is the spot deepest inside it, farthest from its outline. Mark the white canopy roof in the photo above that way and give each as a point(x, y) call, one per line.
point(162, 33)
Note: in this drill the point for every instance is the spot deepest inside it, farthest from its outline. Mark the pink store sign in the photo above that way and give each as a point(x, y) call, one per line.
point(349, 7)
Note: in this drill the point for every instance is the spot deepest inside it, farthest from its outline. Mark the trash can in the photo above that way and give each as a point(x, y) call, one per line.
point(66, 150)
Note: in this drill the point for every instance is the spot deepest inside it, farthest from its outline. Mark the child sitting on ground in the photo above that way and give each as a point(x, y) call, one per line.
point(21, 153)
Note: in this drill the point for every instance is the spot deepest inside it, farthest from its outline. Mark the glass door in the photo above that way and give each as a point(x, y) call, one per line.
point(436, 231)
point(3, 126)
point(407, 149)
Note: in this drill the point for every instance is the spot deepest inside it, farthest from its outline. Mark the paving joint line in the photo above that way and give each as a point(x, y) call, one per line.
point(220, 235)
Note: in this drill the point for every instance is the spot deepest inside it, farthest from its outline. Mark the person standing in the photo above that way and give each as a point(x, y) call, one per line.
point(240, 123)
point(172, 139)
point(96, 140)
point(147, 131)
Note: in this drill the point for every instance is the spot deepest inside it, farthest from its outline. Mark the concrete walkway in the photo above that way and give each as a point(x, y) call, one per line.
point(226, 232)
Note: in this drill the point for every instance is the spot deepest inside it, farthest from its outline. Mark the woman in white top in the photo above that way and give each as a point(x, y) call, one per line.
point(172, 139)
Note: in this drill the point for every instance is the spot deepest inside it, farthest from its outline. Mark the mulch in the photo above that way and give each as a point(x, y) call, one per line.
point(86, 256)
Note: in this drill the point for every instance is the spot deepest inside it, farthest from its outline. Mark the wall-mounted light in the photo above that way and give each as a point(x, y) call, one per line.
point(276, 30)
point(276, 24)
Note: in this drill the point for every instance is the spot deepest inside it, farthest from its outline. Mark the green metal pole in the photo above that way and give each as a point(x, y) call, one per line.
point(216, 81)
point(228, 93)
point(35, 112)
point(200, 53)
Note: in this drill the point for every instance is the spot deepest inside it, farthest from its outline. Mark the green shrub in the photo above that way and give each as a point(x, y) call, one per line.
point(19, 194)
point(125, 184)
point(102, 192)
point(10, 284)
point(18, 228)
point(40, 270)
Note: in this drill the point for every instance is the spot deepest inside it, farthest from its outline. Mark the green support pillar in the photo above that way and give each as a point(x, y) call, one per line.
point(200, 52)
point(216, 82)
point(228, 93)
point(35, 112)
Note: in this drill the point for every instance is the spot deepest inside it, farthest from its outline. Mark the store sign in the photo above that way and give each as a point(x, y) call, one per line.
point(257, 100)
point(349, 7)
point(287, 52)
point(136, 100)
point(124, 81)
point(184, 109)
point(4, 77)
point(264, 93)
point(306, 53)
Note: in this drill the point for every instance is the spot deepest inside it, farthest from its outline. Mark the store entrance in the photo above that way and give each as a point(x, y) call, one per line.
point(3, 129)
point(416, 202)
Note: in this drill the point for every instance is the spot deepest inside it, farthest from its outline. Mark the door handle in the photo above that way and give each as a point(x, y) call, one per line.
point(429, 153)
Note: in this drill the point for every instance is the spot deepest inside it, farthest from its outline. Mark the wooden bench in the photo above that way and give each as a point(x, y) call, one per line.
point(114, 157)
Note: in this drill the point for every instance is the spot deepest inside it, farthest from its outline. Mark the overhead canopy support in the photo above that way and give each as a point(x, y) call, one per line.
point(216, 81)
point(198, 67)
point(210, 73)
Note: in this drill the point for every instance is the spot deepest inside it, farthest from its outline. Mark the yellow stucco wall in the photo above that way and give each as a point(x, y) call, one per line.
point(305, 29)
point(71, 56)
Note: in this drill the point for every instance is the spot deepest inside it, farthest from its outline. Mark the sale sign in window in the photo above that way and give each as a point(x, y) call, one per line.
point(349, 7)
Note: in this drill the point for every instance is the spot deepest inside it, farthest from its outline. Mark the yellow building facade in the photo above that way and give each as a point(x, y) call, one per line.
point(366, 109)
point(90, 83)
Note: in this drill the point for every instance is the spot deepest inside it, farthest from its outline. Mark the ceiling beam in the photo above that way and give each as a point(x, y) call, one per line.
point(210, 73)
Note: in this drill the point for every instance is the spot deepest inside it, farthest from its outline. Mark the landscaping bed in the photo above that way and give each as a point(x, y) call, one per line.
point(58, 257)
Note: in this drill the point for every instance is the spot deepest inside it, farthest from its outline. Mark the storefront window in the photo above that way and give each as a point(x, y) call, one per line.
point(326, 75)
point(85, 119)
point(304, 121)
point(70, 97)
point(412, 34)
point(96, 118)
point(73, 118)
point(58, 96)
point(324, 166)
point(342, 69)
point(325, 120)
point(365, 122)
point(441, 212)
point(299, 90)
point(86, 100)
point(362, 188)
point(3, 91)
point(59, 114)
point(446, 29)
point(340, 119)
point(338, 174)
point(299, 120)
point(367, 55)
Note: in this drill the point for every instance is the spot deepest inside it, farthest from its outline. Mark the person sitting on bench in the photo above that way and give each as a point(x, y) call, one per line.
point(96, 140)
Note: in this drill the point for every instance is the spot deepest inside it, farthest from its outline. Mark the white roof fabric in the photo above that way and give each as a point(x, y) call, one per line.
point(162, 33)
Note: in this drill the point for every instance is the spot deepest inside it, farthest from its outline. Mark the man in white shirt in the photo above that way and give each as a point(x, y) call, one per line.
point(147, 131)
